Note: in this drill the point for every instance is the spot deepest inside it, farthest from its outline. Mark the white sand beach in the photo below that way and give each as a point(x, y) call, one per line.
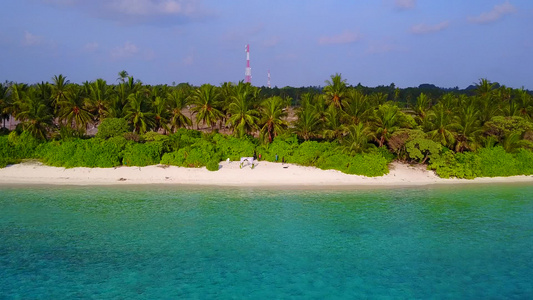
point(230, 174)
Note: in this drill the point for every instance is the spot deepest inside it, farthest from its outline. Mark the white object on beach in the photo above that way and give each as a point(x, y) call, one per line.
point(246, 161)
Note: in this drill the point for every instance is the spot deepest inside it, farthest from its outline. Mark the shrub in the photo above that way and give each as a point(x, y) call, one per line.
point(142, 154)
point(283, 147)
point(420, 150)
point(213, 165)
point(23, 145)
point(111, 127)
point(175, 158)
point(337, 161)
point(83, 153)
point(7, 155)
point(368, 165)
point(308, 153)
point(524, 160)
point(373, 164)
point(232, 147)
point(496, 162)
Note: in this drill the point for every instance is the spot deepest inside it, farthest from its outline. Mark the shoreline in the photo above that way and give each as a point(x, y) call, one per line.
point(265, 174)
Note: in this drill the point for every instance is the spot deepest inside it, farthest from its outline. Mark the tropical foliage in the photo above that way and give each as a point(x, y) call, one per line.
point(486, 130)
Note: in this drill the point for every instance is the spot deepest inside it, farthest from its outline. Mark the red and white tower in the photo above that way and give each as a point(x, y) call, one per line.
point(268, 82)
point(248, 71)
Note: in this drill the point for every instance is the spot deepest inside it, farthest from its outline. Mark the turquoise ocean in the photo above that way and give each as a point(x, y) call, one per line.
point(176, 242)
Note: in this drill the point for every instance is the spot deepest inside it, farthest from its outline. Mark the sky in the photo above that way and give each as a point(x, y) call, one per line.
point(449, 43)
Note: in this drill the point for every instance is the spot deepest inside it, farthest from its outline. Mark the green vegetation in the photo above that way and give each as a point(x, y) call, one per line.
point(485, 130)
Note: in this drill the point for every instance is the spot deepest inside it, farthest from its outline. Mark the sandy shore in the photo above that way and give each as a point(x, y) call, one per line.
point(230, 174)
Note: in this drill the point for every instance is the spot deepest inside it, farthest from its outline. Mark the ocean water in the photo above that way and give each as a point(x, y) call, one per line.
point(170, 242)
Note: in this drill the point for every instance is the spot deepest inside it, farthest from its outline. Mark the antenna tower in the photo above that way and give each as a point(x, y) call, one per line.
point(248, 71)
point(268, 82)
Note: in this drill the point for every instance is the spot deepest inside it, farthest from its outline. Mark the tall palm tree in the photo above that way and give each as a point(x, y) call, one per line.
point(486, 101)
point(386, 120)
point(118, 101)
point(357, 139)
point(335, 91)
point(357, 108)
point(59, 89)
point(34, 115)
point(177, 100)
point(421, 108)
point(443, 126)
point(244, 117)
point(5, 104)
point(205, 101)
point(161, 114)
point(273, 114)
point(308, 123)
point(73, 109)
point(484, 87)
point(99, 98)
point(525, 101)
point(467, 127)
point(377, 99)
point(17, 97)
point(227, 93)
point(333, 128)
point(122, 75)
point(138, 112)
point(487, 107)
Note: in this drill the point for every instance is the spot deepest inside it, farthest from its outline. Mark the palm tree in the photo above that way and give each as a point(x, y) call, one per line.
point(487, 108)
point(443, 126)
point(227, 93)
point(387, 119)
point(244, 118)
point(513, 142)
point(510, 105)
point(17, 97)
point(177, 100)
point(59, 89)
point(308, 122)
point(333, 128)
point(486, 100)
point(99, 98)
point(118, 101)
point(122, 75)
point(525, 101)
point(73, 109)
point(421, 108)
point(138, 112)
point(450, 102)
point(484, 87)
point(356, 139)
point(272, 117)
point(205, 101)
point(161, 114)
point(468, 128)
point(5, 104)
point(377, 99)
point(335, 90)
point(34, 115)
point(357, 107)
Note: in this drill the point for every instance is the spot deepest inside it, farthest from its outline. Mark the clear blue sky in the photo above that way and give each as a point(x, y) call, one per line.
point(375, 42)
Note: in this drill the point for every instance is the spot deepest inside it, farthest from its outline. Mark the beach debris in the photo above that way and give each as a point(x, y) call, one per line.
point(122, 179)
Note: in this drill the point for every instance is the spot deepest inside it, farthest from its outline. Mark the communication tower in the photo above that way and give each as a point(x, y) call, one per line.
point(268, 82)
point(248, 71)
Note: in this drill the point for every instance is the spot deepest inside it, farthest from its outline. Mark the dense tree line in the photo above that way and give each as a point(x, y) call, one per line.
point(436, 126)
